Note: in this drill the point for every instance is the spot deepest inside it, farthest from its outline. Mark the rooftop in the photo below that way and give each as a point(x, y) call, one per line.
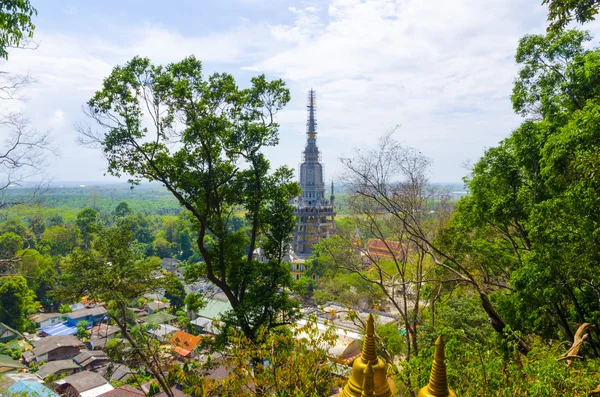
point(31, 389)
point(62, 329)
point(163, 330)
point(156, 305)
point(158, 318)
point(214, 309)
point(94, 311)
point(124, 391)
point(84, 380)
point(54, 367)
point(184, 343)
point(39, 317)
point(8, 362)
point(50, 343)
point(116, 372)
point(86, 357)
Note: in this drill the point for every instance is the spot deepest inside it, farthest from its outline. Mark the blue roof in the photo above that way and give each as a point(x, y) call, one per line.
point(62, 329)
point(29, 388)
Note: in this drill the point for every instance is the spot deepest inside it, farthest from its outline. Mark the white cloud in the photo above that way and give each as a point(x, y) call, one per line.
point(57, 119)
point(442, 70)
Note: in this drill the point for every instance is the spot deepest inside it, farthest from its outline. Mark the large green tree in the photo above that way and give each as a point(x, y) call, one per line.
point(203, 139)
point(531, 222)
point(115, 272)
point(17, 301)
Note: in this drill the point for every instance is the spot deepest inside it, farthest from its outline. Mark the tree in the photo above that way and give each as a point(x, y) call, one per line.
point(40, 272)
point(87, 222)
point(60, 240)
point(217, 168)
point(175, 293)
point(530, 224)
point(388, 185)
point(37, 225)
point(15, 24)
point(82, 330)
point(194, 302)
point(17, 301)
point(185, 244)
point(296, 363)
point(10, 243)
point(22, 149)
point(122, 210)
point(114, 272)
point(561, 12)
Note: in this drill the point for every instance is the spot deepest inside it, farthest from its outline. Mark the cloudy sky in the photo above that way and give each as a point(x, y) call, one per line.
point(442, 70)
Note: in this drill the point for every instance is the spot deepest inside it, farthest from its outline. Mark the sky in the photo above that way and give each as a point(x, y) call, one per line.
point(440, 70)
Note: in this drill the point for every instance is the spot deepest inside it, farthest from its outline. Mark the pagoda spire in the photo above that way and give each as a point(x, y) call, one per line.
point(311, 122)
point(438, 382)
point(369, 372)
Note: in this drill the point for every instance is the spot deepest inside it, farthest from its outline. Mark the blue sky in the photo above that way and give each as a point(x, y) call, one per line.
point(442, 70)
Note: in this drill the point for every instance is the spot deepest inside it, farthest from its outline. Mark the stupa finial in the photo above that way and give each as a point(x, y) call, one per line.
point(369, 350)
point(438, 381)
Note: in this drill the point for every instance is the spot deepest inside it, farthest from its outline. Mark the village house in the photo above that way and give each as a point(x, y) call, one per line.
point(30, 388)
point(87, 383)
point(69, 327)
point(162, 332)
point(91, 360)
point(184, 344)
point(116, 372)
point(159, 318)
point(7, 333)
point(43, 320)
point(8, 364)
point(100, 334)
point(53, 348)
point(153, 307)
point(58, 367)
point(92, 316)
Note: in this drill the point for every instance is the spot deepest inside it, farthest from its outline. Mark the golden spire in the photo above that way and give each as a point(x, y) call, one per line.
point(369, 372)
point(369, 351)
point(438, 382)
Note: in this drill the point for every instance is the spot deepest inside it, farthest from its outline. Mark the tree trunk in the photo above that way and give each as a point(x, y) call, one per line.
point(498, 323)
point(564, 323)
point(122, 323)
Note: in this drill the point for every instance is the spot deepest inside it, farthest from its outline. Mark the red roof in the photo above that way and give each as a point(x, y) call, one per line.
point(381, 248)
point(184, 343)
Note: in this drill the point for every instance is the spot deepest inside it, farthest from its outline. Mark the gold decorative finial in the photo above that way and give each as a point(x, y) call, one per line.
point(438, 382)
point(369, 372)
point(368, 386)
point(369, 351)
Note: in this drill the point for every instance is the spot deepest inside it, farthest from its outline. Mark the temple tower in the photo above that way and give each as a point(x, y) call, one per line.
point(314, 213)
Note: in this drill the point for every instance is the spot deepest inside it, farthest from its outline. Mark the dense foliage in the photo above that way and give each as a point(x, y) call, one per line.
point(216, 168)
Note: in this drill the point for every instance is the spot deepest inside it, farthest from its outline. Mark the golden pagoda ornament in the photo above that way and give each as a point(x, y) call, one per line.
point(369, 372)
point(438, 382)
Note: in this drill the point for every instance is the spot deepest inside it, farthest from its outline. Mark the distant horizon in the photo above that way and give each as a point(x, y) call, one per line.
point(90, 183)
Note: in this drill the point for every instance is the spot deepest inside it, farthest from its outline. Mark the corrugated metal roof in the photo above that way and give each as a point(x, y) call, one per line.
point(31, 389)
point(214, 309)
